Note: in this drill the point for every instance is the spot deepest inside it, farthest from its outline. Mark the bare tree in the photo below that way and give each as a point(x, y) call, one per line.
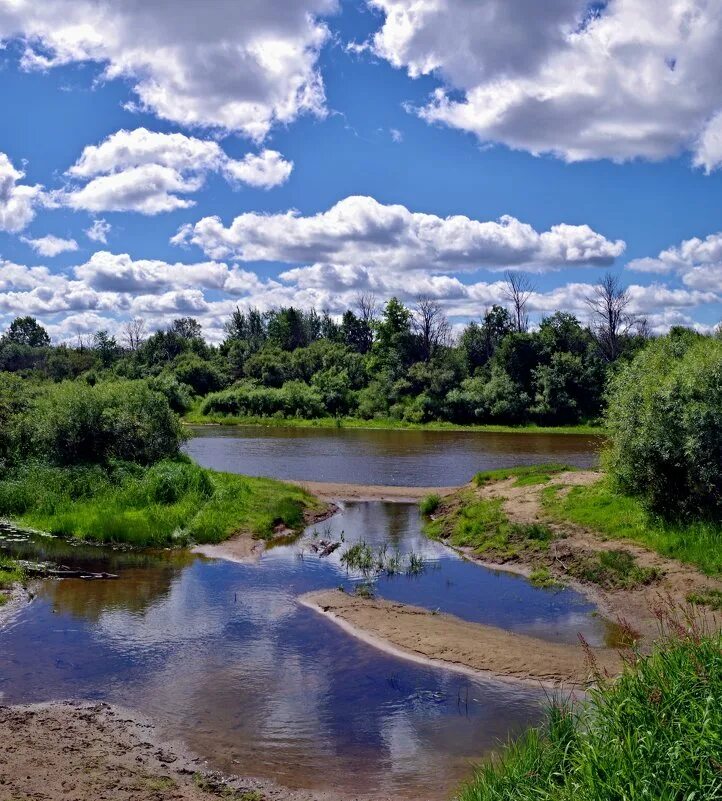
point(431, 325)
point(518, 290)
point(134, 333)
point(368, 307)
point(611, 321)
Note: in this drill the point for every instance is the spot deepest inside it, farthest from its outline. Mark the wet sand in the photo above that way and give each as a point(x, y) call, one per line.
point(329, 491)
point(447, 641)
point(75, 751)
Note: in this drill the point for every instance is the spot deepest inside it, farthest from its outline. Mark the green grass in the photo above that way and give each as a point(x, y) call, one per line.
point(655, 734)
point(542, 577)
point(601, 509)
point(429, 504)
point(526, 475)
point(10, 574)
point(170, 503)
point(195, 417)
point(710, 598)
point(480, 524)
point(612, 570)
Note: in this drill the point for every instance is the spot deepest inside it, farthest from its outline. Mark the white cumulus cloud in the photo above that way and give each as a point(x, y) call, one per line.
point(361, 231)
point(235, 66)
point(150, 172)
point(17, 201)
point(50, 245)
point(618, 80)
point(98, 231)
point(698, 262)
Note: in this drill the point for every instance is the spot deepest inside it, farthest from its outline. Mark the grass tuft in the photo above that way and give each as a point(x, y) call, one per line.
point(526, 475)
point(429, 504)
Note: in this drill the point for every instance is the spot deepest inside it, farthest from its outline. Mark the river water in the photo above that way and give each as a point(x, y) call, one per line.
point(399, 458)
point(223, 657)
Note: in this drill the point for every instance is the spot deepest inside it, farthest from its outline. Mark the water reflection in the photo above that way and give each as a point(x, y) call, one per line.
point(223, 657)
point(400, 458)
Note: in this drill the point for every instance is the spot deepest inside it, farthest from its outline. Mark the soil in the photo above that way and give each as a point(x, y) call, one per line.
point(447, 641)
point(81, 751)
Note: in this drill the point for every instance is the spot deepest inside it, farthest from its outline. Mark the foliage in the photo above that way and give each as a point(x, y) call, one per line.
point(430, 504)
point(525, 475)
point(665, 424)
point(655, 733)
point(74, 423)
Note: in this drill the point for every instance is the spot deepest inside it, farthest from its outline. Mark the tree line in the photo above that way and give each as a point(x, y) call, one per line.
point(391, 360)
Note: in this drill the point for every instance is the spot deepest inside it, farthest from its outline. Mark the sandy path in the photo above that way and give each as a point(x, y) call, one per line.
point(81, 751)
point(447, 641)
point(328, 491)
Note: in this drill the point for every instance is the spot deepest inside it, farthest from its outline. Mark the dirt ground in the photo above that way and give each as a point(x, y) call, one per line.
point(328, 491)
point(447, 641)
point(69, 751)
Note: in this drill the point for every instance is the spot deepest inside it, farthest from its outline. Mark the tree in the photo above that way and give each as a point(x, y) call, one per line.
point(27, 331)
point(105, 347)
point(479, 342)
point(518, 290)
point(368, 308)
point(664, 422)
point(431, 326)
point(394, 341)
point(134, 333)
point(187, 328)
point(611, 321)
point(356, 333)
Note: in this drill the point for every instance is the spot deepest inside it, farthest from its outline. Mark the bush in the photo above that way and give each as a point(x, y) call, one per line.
point(665, 425)
point(293, 399)
point(75, 423)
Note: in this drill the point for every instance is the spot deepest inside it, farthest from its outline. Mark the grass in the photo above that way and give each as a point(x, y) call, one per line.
point(429, 504)
point(10, 574)
point(361, 558)
point(709, 598)
point(526, 475)
point(480, 523)
point(600, 508)
point(170, 503)
point(195, 417)
point(543, 578)
point(612, 570)
point(655, 733)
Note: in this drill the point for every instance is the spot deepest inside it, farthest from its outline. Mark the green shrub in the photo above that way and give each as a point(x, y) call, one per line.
point(430, 504)
point(665, 425)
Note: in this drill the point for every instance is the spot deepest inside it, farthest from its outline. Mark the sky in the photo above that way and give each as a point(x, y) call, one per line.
point(169, 158)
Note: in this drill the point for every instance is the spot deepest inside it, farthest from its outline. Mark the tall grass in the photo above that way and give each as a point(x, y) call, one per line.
point(655, 734)
point(170, 503)
point(10, 573)
point(600, 508)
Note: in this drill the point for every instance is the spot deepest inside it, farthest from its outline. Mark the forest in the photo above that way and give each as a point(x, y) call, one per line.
point(402, 363)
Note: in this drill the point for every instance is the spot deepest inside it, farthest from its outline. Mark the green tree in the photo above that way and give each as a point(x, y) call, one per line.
point(665, 426)
point(27, 331)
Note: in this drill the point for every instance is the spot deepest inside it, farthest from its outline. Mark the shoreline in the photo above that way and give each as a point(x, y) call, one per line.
point(331, 491)
point(89, 749)
point(444, 641)
point(357, 424)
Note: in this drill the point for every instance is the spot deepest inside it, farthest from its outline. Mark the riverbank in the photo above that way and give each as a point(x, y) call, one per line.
point(170, 504)
point(195, 418)
point(330, 491)
point(446, 641)
point(506, 524)
point(72, 750)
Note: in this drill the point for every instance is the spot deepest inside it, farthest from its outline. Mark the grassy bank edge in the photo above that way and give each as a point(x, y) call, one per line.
point(170, 504)
point(195, 418)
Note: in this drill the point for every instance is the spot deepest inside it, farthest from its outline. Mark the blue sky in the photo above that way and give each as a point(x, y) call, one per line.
point(424, 147)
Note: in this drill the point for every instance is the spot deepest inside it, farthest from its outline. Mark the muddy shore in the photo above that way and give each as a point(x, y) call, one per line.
point(75, 751)
point(446, 641)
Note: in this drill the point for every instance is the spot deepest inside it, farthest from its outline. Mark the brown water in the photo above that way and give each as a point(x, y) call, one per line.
point(399, 458)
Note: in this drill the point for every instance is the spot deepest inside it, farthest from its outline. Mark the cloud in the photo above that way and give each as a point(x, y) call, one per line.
point(50, 245)
point(616, 80)
point(99, 231)
point(17, 201)
point(360, 231)
point(149, 172)
point(698, 262)
point(264, 171)
point(229, 65)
